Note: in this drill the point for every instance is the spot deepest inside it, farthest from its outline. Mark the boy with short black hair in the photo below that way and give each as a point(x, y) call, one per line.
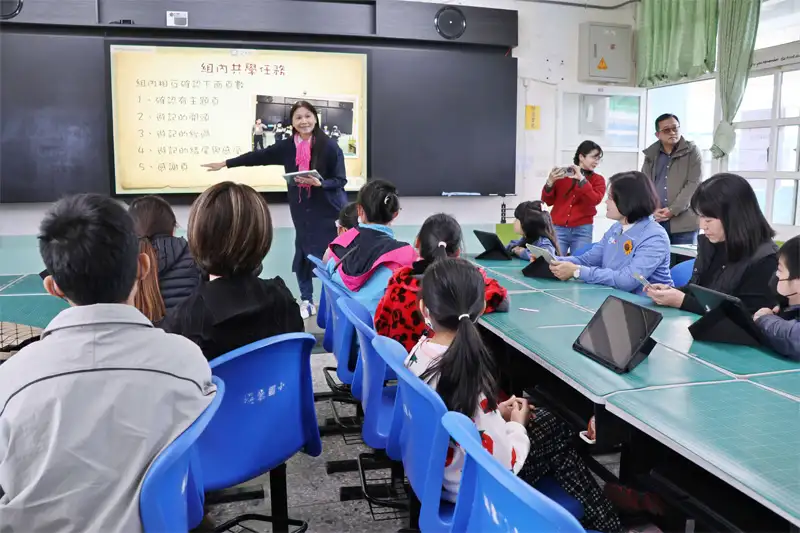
point(85, 410)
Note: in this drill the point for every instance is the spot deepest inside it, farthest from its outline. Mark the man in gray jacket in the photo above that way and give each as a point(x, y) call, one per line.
point(676, 166)
point(86, 409)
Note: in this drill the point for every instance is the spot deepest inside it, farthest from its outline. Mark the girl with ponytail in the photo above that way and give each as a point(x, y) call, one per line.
point(535, 226)
point(530, 442)
point(397, 315)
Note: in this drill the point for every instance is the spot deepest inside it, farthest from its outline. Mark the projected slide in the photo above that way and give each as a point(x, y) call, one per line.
point(175, 108)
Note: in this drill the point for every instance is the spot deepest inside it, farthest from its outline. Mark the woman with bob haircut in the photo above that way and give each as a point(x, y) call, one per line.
point(635, 244)
point(230, 233)
point(735, 254)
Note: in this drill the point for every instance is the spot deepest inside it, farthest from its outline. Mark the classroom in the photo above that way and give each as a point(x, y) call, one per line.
point(400, 265)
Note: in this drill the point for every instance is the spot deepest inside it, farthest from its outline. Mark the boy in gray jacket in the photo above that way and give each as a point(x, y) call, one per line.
point(782, 328)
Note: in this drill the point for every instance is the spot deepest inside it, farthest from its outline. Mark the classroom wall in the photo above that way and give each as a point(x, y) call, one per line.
point(548, 45)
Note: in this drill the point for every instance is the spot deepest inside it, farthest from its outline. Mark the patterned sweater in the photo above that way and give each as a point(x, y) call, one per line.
point(508, 442)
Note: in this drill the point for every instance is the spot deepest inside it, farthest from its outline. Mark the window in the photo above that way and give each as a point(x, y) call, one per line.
point(779, 23)
point(693, 103)
point(767, 151)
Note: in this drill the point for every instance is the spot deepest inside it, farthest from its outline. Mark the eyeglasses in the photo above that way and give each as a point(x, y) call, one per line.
point(673, 129)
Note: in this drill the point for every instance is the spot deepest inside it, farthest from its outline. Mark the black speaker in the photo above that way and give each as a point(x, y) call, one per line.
point(450, 23)
point(10, 9)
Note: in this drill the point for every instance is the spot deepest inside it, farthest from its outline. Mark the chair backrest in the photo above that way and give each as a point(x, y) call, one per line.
point(322, 311)
point(423, 439)
point(682, 273)
point(581, 249)
point(345, 346)
point(325, 315)
point(268, 414)
point(166, 489)
point(491, 498)
point(371, 370)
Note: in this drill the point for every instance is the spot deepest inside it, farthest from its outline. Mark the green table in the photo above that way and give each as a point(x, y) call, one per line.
point(741, 433)
point(492, 263)
point(30, 284)
point(539, 283)
point(546, 337)
point(688, 250)
point(30, 310)
point(786, 382)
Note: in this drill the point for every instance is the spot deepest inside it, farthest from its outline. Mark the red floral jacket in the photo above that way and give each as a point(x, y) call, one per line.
point(398, 316)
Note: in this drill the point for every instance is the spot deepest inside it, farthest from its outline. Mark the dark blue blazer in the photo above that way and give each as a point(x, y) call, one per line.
point(314, 216)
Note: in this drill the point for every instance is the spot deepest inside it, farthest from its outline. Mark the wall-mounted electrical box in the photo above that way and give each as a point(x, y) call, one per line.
point(605, 53)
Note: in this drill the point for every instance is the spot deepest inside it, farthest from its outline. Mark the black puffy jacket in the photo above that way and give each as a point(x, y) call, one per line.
point(178, 274)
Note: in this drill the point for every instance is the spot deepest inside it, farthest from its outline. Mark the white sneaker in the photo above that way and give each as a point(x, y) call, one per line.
point(307, 309)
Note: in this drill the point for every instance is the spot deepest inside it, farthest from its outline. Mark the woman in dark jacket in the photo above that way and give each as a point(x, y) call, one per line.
point(314, 204)
point(230, 233)
point(178, 274)
point(735, 254)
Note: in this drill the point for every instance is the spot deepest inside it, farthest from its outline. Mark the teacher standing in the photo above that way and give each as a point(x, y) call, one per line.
point(314, 204)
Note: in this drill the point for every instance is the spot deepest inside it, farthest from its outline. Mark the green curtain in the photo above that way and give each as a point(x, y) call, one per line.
point(677, 40)
point(738, 24)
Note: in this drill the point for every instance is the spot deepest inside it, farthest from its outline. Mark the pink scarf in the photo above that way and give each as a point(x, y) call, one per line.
point(303, 161)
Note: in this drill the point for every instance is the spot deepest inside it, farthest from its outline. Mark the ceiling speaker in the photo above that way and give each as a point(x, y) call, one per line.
point(450, 22)
point(10, 9)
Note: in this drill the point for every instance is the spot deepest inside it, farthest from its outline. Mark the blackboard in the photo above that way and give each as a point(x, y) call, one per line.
point(53, 119)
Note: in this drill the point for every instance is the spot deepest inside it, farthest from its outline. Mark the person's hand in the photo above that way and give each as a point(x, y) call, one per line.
point(591, 431)
point(521, 412)
point(668, 297)
point(517, 250)
point(307, 180)
point(576, 173)
point(556, 174)
point(657, 287)
point(663, 214)
point(766, 311)
point(506, 407)
point(563, 270)
point(213, 167)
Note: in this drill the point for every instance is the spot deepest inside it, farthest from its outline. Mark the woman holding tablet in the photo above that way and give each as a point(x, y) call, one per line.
point(313, 203)
point(635, 247)
point(735, 253)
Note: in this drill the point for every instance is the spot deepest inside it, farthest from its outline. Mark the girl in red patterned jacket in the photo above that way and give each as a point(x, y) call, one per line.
point(397, 315)
point(530, 442)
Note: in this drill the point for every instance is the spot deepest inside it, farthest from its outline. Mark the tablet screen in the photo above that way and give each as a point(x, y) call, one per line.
point(618, 330)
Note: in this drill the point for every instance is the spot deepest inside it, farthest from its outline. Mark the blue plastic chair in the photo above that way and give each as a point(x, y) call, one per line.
point(345, 347)
point(583, 249)
point(492, 499)
point(167, 487)
point(682, 273)
point(267, 416)
point(423, 443)
point(377, 400)
point(322, 311)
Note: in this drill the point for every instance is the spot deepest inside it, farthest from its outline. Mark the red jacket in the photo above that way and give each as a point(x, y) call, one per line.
point(398, 316)
point(573, 204)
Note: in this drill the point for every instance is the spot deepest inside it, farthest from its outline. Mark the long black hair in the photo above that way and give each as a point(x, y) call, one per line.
point(439, 237)
point(451, 289)
point(537, 224)
point(319, 141)
point(731, 199)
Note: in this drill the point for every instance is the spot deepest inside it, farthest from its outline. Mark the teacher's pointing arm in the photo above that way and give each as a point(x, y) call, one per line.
point(270, 155)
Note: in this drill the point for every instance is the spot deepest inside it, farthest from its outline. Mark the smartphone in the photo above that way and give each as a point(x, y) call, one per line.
point(569, 171)
point(540, 252)
point(641, 279)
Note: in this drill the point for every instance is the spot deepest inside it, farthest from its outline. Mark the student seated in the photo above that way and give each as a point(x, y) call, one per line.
point(398, 315)
point(530, 442)
point(362, 259)
point(87, 409)
point(635, 244)
point(536, 229)
point(348, 219)
point(735, 254)
point(230, 233)
point(178, 274)
point(782, 327)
